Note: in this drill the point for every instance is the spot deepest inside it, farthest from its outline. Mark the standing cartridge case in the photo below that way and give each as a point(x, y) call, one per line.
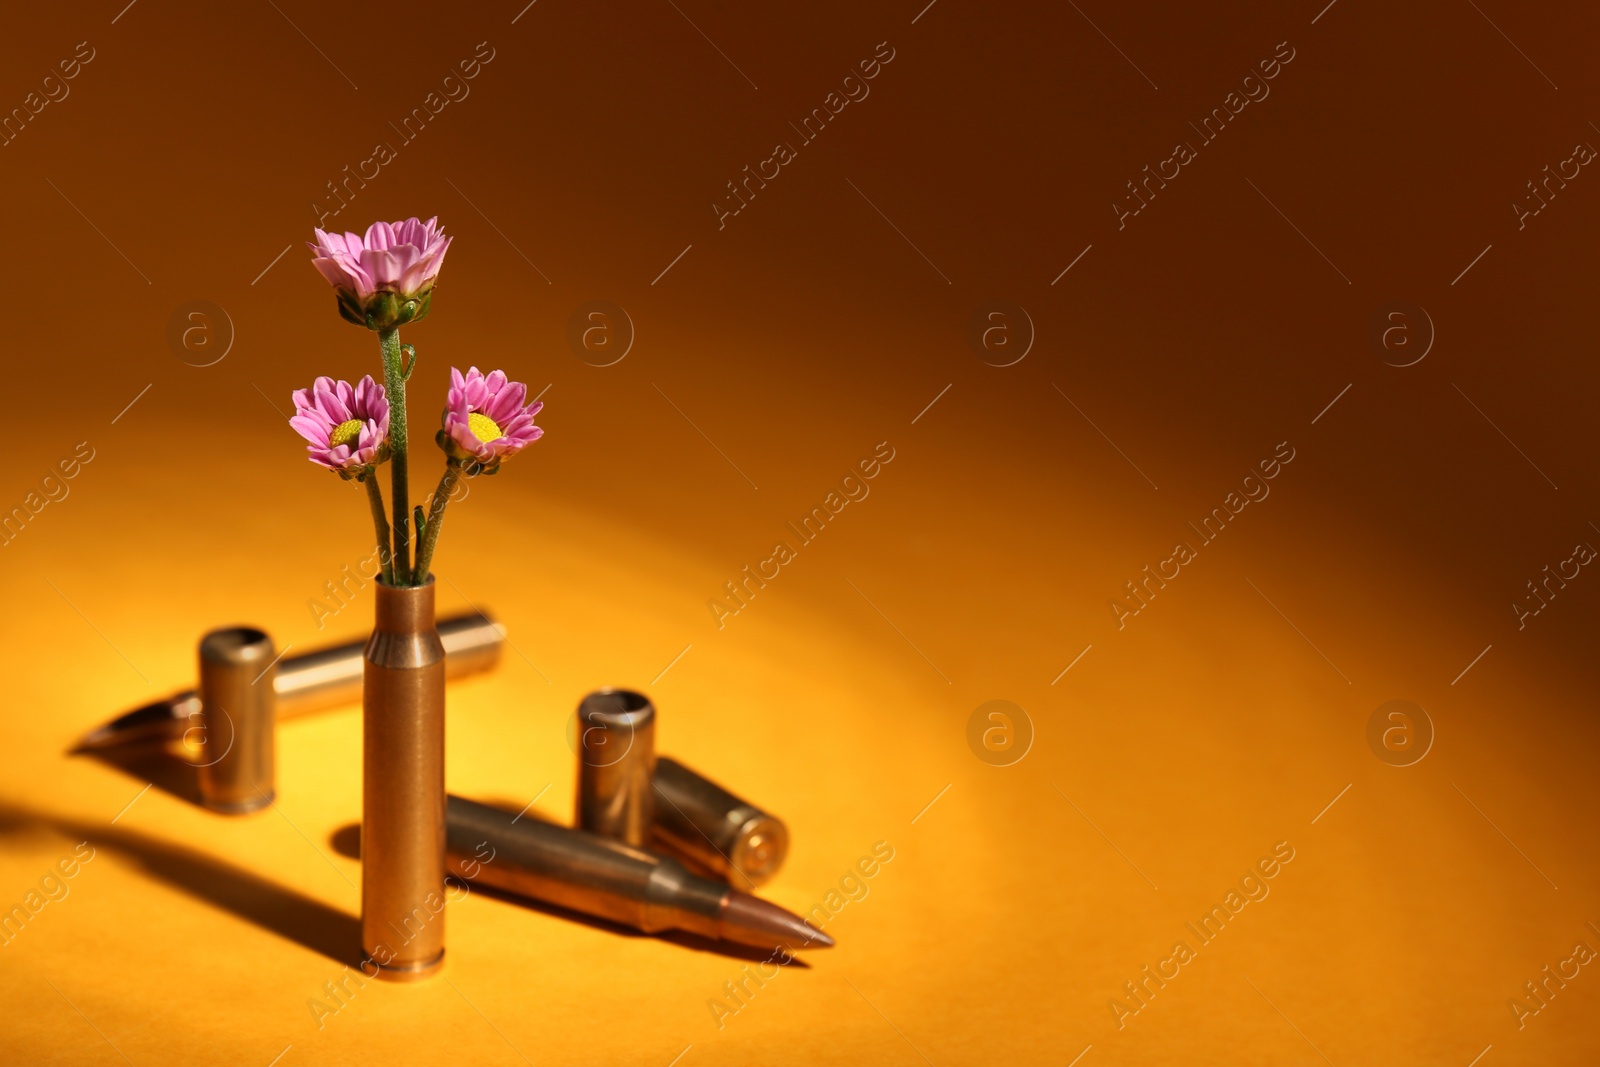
point(402, 787)
point(235, 763)
point(332, 676)
point(616, 746)
point(697, 819)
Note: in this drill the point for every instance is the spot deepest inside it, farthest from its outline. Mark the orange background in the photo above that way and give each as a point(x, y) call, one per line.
point(819, 321)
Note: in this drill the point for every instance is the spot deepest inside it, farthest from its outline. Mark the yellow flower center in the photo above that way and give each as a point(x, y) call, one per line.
point(483, 427)
point(346, 433)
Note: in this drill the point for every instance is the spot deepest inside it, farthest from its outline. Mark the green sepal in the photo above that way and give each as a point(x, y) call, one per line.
point(384, 310)
point(470, 464)
point(350, 308)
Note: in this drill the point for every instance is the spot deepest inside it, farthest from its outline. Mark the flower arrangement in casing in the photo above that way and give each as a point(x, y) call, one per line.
point(384, 280)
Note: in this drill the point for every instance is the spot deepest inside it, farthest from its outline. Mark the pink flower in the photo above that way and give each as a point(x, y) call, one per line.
point(484, 418)
point(384, 279)
point(348, 426)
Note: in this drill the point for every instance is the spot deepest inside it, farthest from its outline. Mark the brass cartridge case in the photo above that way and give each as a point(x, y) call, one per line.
point(581, 871)
point(236, 763)
point(322, 678)
point(402, 787)
point(598, 876)
point(697, 819)
point(329, 677)
point(616, 746)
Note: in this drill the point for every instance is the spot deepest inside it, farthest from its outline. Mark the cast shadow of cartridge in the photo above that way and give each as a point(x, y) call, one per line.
point(277, 908)
point(157, 765)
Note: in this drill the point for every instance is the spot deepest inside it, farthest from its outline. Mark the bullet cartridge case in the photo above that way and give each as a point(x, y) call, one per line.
point(329, 677)
point(583, 872)
point(236, 762)
point(322, 678)
point(402, 787)
point(616, 745)
point(697, 819)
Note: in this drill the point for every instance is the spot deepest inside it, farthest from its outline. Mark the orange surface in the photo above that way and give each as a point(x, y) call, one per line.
point(1228, 716)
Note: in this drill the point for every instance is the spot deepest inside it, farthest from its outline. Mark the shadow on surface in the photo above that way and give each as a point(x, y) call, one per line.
point(284, 911)
point(156, 765)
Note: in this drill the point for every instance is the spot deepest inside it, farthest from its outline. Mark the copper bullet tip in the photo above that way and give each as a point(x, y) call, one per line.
point(819, 939)
point(162, 721)
point(752, 921)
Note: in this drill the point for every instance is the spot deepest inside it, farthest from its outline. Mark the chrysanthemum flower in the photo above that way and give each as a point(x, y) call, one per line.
point(384, 279)
point(348, 426)
point(485, 420)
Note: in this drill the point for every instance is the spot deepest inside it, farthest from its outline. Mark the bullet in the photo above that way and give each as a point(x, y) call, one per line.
point(312, 681)
point(616, 746)
point(610, 880)
point(236, 707)
point(698, 820)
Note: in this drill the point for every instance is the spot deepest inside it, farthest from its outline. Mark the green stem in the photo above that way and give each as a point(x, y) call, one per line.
point(394, 383)
point(430, 536)
point(380, 525)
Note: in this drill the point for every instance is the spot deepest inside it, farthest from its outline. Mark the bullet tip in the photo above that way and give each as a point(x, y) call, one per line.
point(818, 938)
point(162, 720)
point(93, 741)
point(752, 921)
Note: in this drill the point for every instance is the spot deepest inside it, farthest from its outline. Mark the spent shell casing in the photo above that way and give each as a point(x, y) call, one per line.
point(237, 772)
point(616, 744)
point(402, 787)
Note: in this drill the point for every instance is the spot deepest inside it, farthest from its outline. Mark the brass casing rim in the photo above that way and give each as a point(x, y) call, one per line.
point(409, 972)
point(777, 834)
point(243, 807)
